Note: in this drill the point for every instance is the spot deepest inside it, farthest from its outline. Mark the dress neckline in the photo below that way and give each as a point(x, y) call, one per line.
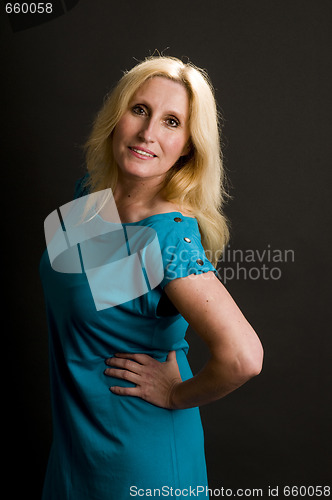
point(164, 215)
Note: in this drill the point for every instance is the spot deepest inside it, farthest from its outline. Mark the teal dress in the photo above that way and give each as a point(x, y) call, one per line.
point(110, 447)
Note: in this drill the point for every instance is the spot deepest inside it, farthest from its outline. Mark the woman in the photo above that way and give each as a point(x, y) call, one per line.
point(125, 403)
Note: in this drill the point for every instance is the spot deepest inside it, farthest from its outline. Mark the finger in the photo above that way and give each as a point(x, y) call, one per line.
point(126, 364)
point(139, 357)
point(125, 391)
point(123, 374)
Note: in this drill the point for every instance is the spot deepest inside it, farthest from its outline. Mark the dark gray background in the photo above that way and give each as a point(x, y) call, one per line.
point(270, 64)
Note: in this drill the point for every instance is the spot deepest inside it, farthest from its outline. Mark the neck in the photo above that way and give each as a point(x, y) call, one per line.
point(134, 197)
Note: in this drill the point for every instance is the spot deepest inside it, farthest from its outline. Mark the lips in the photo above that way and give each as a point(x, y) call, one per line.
point(146, 153)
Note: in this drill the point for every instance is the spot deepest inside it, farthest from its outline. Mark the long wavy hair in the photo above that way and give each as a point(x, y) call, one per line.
point(197, 181)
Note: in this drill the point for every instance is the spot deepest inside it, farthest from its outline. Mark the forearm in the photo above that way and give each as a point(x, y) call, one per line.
point(214, 381)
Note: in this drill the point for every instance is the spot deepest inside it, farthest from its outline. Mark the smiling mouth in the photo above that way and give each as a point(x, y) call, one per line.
point(143, 153)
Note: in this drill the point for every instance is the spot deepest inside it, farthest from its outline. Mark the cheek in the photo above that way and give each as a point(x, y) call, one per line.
point(176, 146)
point(124, 129)
point(119, 132)
point(118, 141)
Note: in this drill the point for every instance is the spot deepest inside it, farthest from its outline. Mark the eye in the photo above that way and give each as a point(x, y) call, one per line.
point(172, 122)
point(138, 109)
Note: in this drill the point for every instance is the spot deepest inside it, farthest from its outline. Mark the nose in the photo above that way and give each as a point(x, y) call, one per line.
point(148, 130)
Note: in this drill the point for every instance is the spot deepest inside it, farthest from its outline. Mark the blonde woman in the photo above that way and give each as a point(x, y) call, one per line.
point(125, 403)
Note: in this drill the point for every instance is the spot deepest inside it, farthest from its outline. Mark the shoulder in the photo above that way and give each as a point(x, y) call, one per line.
point(173, 228)
point(180, 244)
point(165, 206)
point(135, 214)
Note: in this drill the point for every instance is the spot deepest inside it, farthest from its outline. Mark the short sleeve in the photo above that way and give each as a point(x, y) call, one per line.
point(183, 253)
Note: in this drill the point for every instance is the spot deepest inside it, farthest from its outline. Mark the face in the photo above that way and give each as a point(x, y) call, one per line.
point(154, 132)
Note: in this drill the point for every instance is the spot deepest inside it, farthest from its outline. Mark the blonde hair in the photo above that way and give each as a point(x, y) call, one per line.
point(196, 181)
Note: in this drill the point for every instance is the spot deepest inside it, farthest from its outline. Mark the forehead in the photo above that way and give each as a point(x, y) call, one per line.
point(164, 93)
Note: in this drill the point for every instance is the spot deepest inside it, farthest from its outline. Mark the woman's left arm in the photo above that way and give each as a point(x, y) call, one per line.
point(236, 353)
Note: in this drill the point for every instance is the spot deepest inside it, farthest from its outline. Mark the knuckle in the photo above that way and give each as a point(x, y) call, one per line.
point(127, 364)
point(145, 393)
